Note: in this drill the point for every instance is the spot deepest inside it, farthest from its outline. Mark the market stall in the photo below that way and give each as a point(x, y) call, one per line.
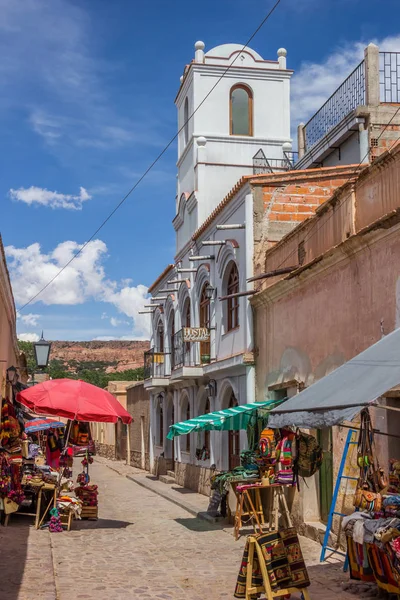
point(373, 529)
point(274, 461)
point(81, 403)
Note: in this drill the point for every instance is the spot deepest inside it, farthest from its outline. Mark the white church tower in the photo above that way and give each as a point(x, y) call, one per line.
point(247, 110)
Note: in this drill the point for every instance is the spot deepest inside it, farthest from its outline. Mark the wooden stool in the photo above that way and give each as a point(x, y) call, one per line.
point(246, 508)
point(278, 507)
point(266, 587)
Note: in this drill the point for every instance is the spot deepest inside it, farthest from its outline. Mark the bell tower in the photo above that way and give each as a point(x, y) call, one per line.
point(241, 105)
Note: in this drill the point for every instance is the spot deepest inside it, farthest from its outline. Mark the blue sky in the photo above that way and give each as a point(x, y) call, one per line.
point(86, 103)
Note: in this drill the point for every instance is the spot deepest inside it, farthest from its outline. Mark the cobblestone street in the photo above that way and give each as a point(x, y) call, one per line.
point(142, 547)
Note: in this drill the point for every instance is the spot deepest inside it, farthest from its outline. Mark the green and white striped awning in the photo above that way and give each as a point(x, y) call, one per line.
point(230, 419)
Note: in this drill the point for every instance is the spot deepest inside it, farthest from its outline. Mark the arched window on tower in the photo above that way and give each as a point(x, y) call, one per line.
point(232, 304)
point(186, 121)
point(241, 110)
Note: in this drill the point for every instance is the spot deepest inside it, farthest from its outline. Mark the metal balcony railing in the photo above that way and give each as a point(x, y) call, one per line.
point(155, 364)
point(389, 77)
point(349, 95)
point(187, 353)
point(262, 164)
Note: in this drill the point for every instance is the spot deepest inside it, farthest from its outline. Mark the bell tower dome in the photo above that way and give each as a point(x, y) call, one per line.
point(240, 105)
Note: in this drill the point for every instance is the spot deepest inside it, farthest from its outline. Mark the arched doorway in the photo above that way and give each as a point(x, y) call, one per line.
point(205, 347)
point(170, 420)
point(233, 439)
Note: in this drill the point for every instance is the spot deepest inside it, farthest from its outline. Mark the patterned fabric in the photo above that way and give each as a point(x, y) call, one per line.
point(383, 569)
point(283, 559)
point(360, 568)
point(276, 561)
point(298, 569)
point(257, 580)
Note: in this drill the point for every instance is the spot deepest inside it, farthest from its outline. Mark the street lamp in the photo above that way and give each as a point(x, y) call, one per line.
point(42, 352)
point(209, 291)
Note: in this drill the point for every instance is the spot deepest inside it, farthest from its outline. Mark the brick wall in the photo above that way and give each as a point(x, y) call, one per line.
point(286, 200)
point(382, 138)
point(138, 405)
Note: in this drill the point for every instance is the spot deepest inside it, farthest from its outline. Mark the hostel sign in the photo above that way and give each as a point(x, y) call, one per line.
point(196, 334)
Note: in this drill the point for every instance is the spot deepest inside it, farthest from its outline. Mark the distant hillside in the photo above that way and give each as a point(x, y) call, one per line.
point(94, 362)
point(111, 357)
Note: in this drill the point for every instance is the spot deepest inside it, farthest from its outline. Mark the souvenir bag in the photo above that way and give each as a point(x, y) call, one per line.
point(309, 455)
point(372, 478)
point(284, 457)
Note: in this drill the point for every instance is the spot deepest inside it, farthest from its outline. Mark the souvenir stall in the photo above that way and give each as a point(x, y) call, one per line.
point(81, 403)
point(356, 389)
point(11, 440)
point(272, 562)
point(373, 530)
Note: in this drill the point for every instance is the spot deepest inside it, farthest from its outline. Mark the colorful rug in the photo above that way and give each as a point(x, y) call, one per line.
point(257, 580)
point(283, 560)
point(360, 568)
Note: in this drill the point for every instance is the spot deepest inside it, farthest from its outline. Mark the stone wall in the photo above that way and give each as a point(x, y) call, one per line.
point(193, 477)
point(105, 450)
point(136, 460)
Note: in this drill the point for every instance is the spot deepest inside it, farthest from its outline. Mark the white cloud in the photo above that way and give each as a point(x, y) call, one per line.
point(129, 300)
point(28, 337)
point(30, 319)
point(117, 322)
point(31, 270)
point(83, 280)
point(43, 197)
point(314, 82)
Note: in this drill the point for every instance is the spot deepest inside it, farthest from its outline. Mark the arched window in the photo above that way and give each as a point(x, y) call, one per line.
point(160, 423)
point(207, 433)
point(186, 121)
point(204, 322)
point(172, 338)
point(234, 440)
point(232, 304)
point(185, 416)
point(241, 110)
point(186, 323)
point(160, 337)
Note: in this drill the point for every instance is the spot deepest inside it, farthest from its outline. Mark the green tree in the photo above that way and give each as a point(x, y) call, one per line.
point(27, 349)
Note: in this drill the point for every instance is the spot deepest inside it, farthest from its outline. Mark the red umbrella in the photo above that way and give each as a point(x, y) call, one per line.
point(73, 399)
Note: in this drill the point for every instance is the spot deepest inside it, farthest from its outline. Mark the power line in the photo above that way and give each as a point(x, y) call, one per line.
point(312, 233)
point(150, 167)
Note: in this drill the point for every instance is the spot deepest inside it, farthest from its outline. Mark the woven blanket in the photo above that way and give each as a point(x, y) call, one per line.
point(283, 560)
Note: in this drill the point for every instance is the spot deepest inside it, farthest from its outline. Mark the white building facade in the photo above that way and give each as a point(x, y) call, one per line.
point(202, 356)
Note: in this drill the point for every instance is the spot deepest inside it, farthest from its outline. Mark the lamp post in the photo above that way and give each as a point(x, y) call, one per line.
point(42, 352)
point(209, 292)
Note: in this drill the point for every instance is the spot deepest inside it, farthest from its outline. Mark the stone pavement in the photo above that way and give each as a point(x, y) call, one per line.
point(142, 547)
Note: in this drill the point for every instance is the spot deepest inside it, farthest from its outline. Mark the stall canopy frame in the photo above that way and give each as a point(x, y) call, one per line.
point(342, 394)
point(229, 419)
